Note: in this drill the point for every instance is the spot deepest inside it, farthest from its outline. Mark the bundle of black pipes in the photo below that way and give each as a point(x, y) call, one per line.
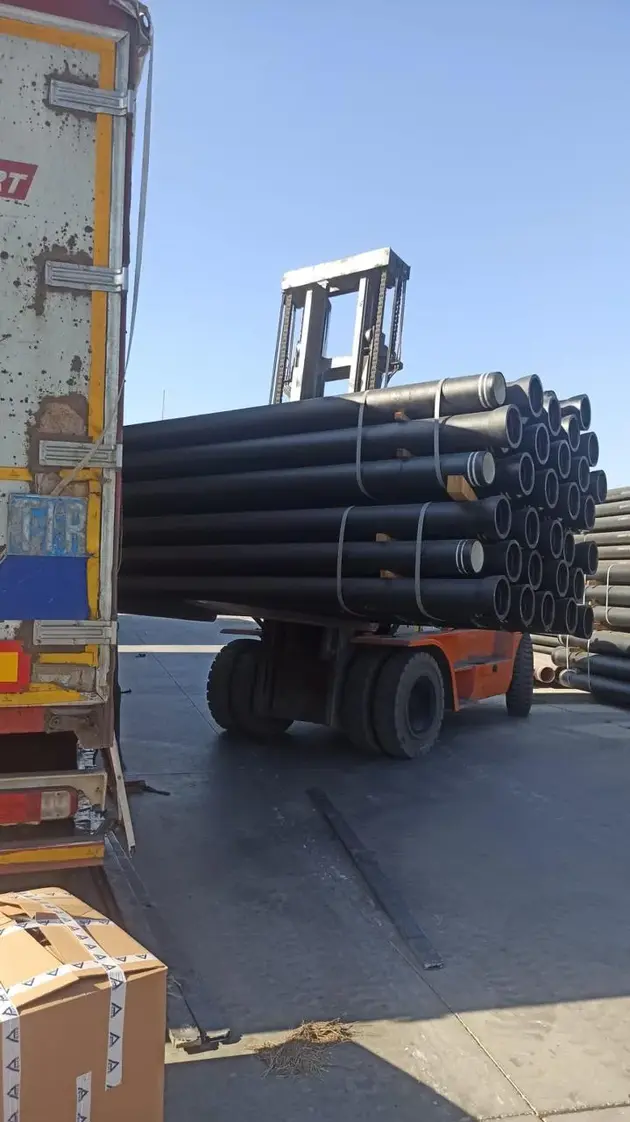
point(601, 664)
point(451, 502)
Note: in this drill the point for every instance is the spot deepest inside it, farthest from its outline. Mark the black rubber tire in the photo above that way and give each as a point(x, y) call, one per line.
point(401, 732)
point(355, 711)
point(220, 680)
point(520, 696)
point(247, 720)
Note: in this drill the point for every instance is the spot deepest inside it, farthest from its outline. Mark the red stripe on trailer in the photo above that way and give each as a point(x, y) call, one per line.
point(22, 720)
point(87, 11)
point(19, 681)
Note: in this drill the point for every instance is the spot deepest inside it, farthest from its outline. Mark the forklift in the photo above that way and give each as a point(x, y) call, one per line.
point(386, 687)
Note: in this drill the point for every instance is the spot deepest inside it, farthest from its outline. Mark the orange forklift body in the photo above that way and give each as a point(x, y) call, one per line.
point(478, 664)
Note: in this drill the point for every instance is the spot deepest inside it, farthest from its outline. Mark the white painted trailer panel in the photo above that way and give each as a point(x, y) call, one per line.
point(63, 199)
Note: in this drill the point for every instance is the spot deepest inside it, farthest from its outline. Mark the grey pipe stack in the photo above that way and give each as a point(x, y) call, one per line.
point(446, 502)
point(600, 664)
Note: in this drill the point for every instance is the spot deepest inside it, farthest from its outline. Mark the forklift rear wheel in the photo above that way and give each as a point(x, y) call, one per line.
point(520, 695)
point(408, 705)
point(355, 715)
point(231, 692)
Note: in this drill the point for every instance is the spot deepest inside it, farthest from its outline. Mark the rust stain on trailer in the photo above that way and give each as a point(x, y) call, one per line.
point(64, 417)
point(48, 482)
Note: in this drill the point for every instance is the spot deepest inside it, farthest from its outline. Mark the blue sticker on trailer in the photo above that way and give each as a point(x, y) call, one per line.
point(43, 574)
point(47, 526)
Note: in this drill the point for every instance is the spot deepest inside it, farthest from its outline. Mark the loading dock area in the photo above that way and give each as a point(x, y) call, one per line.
point(508, 845)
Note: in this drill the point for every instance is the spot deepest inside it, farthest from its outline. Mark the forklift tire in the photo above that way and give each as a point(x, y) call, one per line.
point(220, 679)
point(249, 721)
point(355, 711)
point(408, 704)
point(230, 692)
point(520, 695)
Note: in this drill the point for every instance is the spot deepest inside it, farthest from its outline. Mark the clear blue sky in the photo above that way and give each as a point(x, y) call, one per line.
point(487, 141)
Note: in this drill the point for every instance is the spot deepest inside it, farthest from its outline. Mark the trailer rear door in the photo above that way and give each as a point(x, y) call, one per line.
point(63, 205)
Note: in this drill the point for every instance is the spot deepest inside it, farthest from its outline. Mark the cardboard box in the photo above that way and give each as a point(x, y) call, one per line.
point(82, 1015)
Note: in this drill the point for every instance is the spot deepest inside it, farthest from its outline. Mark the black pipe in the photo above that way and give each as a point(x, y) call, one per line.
point(456, 602)
point(542, 619)
point(437, 559)
point(577, 586)
point(586, 515)
point(523, 606)
point(537, 442)
point(163, 607)
point(604, 689)
point(585, 622)
point(505, 558)
point(579, 473)
point(571, 429)
point(589, 447)
point(514, 475)
point(555, 577)
point(586, 557)
point(618, 619)
point(598, 486)
point(458, 395)
point(521, 611)
point(501, 428)
point(568, 547)
point(613, 572)
point(568, 508)
point(565, 616)
point(560, 458)
point(489, 519)
point(580, 405)
point(607, 510)
point(533, 568)
point(546, 490)
point(411, 479)
point(551, 407)
point(526, 526)
point(618, 596)
point(527, 395)
point(606, 666)
point(551, 540)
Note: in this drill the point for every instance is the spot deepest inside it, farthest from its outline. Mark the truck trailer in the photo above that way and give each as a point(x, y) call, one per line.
point(70, 71)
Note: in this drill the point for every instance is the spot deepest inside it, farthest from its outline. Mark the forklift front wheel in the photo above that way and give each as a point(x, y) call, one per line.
point(355, 716)
point(231, 692)
point(520, 695)
point(408, 705)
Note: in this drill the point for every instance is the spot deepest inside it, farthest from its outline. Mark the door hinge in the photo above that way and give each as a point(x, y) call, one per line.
point(88, 278)
point(89, 99)
point(66, 453)
point(73, 632)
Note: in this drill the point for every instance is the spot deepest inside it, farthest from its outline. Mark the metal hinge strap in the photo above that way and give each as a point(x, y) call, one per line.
point(89, 99)
point(73, 632)
point(88, 278)
point(66, 453)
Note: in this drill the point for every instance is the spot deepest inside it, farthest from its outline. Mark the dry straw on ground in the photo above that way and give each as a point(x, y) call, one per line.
point(306, 1051)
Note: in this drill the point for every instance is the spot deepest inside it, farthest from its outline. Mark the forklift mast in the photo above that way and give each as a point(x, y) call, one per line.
point(301, 367)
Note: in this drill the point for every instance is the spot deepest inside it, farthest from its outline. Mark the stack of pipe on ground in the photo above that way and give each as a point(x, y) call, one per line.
point(601, 664)
point(448, 503)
